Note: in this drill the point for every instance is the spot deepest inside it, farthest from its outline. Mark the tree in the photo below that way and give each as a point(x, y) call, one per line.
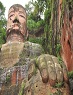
point(42, 8)
point(2, 24)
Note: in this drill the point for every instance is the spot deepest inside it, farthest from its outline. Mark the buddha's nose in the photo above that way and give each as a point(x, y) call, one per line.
point(15, 20)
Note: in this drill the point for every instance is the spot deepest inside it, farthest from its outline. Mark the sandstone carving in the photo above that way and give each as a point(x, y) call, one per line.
point(25, 70)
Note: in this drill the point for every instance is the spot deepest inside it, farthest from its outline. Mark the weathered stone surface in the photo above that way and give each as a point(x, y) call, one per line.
point(14, 60)
point(35, 86)
point(67, 36)
point(9, 55)
point(16, 24)
point(26, 70)
point(12, 90)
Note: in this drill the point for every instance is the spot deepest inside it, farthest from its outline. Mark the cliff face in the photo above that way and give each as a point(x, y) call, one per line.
point(18, 73)
point(62, 29)
point(67, 37)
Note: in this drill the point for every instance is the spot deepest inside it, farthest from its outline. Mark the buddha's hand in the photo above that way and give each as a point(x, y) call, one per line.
point(51, 70)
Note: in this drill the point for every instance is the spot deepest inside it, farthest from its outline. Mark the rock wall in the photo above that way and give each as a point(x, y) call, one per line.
point(67, 37)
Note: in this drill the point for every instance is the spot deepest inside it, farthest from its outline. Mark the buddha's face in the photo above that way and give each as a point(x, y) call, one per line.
point(16, 20)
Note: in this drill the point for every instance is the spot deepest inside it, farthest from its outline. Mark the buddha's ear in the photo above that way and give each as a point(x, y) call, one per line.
point(26, 35)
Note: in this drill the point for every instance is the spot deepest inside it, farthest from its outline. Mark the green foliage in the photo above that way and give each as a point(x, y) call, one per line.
point(70, 74)
point(31, 24)
point(58, 48)
point(2, 24)
point(47, 15)
point(35, 71)
point(40, 23)
point(29, 7)
point(34, 26)
point(2, 9)
point(8, 78)
point(36, 40)
point(35, 15)
point(51, 36)
point(35, 21)
point(60, 59)
point(22, 88)
point(58, 85)
point(58, 92)
point(2, 35)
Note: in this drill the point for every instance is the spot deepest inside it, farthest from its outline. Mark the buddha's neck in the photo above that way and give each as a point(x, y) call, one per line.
point(15, 37)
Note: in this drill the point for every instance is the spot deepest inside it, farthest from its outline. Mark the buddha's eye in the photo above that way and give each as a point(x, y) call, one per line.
point(22, 16)
point(11, 15)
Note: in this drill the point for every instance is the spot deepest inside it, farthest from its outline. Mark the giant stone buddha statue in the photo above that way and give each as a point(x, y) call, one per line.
point(31, 71)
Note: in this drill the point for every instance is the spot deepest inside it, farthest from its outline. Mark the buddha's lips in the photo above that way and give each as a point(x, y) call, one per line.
point(14, 27)
point(14, 31)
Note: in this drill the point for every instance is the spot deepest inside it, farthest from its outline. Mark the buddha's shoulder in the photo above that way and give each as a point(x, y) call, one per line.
point(32, 45)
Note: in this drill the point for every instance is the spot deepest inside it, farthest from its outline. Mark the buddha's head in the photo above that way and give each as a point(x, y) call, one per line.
point(16, 24)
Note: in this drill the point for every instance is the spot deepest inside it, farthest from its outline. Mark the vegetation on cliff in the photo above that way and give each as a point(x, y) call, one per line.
point(2, 24)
